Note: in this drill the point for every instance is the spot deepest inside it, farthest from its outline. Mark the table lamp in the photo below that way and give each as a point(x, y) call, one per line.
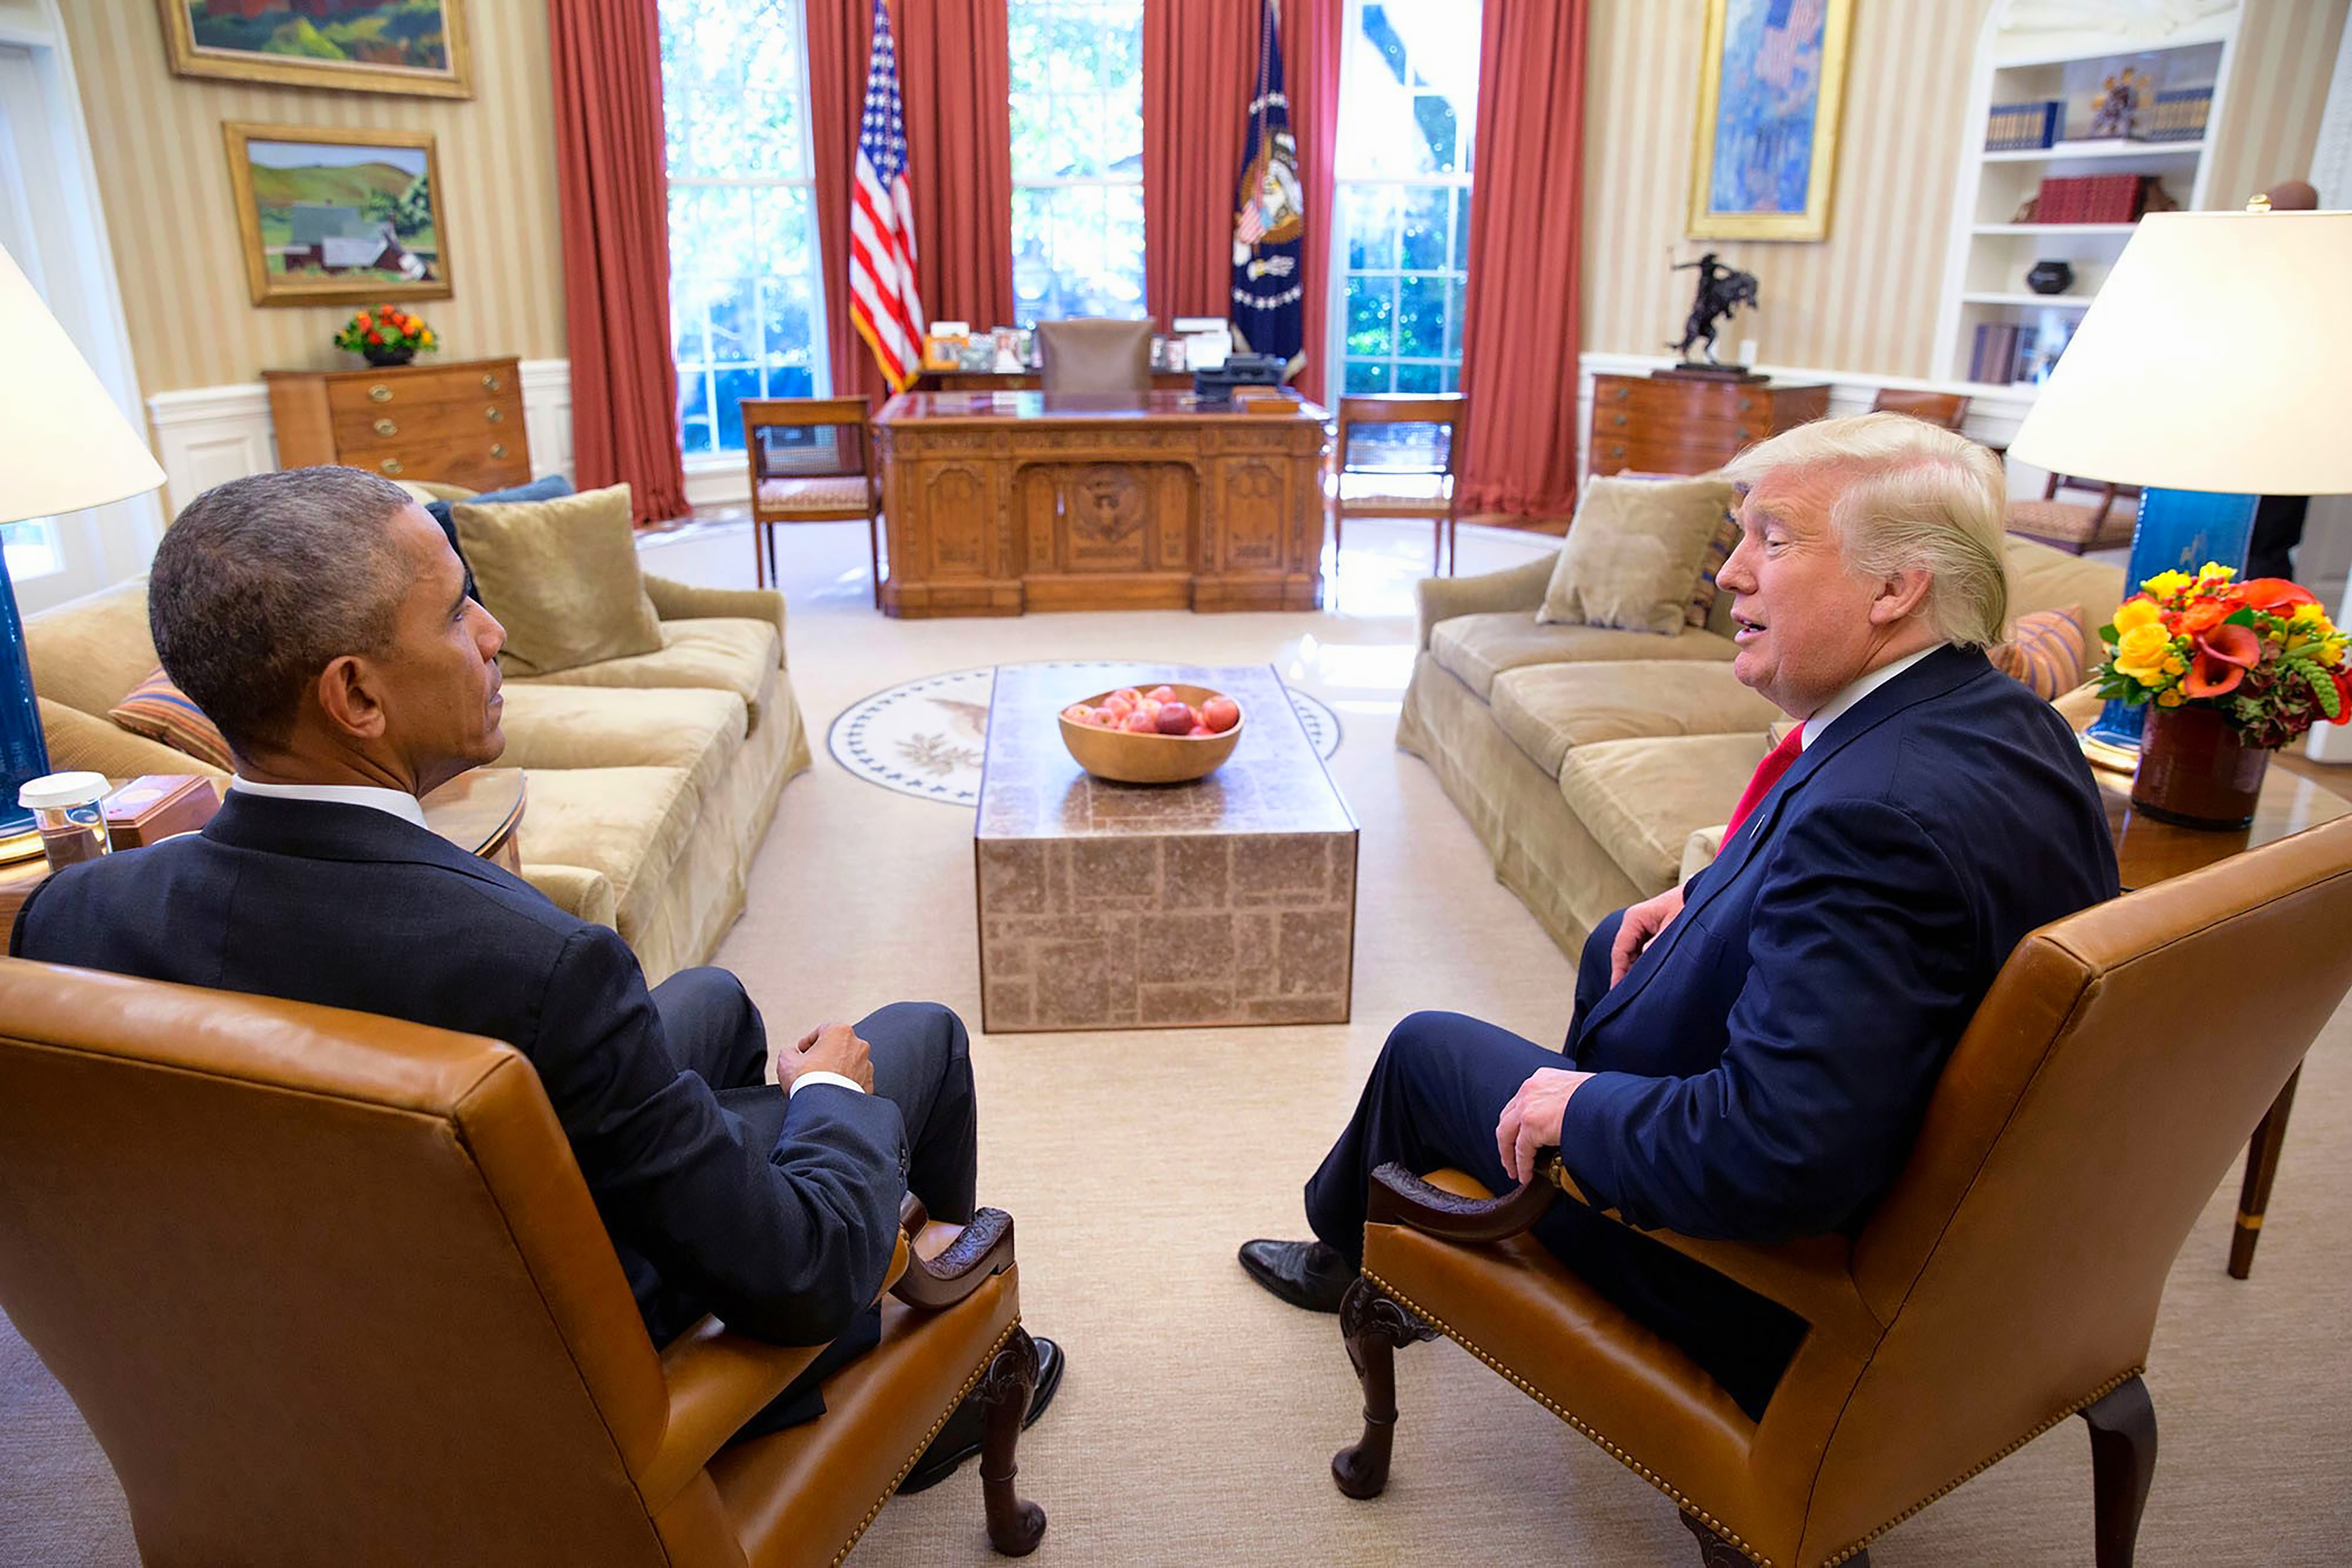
point(68, 447)
point(2211, 369)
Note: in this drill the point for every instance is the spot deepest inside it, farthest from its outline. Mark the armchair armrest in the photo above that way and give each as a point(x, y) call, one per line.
point(717, 1380)
point(940, 1275)
point(1518, 587)
point(684, 602)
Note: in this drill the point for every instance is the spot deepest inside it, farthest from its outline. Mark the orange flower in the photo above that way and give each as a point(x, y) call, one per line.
point(2223, 657)
point(2203, 616)
point(2275, 593)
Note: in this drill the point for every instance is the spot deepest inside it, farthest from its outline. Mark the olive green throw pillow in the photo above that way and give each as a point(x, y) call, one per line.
point(562, 575)
point(1634, 553)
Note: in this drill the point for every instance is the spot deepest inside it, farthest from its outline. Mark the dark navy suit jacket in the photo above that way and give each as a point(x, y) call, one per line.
point(1764, 1065)
point(786, 1235)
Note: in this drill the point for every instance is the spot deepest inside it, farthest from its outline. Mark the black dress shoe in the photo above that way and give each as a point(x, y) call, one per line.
point(960, 1439)
point(1306, 1274)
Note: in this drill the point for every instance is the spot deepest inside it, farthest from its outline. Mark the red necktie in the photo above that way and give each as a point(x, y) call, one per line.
point(1767, 773)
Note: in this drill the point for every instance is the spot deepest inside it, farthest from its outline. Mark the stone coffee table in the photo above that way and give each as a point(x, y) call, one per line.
point(1105, 906)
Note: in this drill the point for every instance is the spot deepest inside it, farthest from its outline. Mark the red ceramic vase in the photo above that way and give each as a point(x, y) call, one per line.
point(2195, 772)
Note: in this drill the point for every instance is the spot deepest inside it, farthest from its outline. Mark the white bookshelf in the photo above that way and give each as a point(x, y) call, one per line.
point(1990, 251)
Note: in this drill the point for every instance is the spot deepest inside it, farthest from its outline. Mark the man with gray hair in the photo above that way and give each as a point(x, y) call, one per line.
point(319, 617)
point(1751, 1052)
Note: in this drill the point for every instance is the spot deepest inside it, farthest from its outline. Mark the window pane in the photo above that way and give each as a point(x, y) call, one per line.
point(1372, 215)
point(1421, 229)
point(1367, 375)
point(730, 388)
point(1371, 314)
point(732, 70)
point(1419, 378)
point(1421, 317)
point(1409, 93)
point(1462, 230)
point(1077, 116)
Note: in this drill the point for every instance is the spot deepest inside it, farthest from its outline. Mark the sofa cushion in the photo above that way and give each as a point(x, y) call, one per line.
point(87, 654)
point(629, 825)
point(713, 654)
point(162, 711)
point(1634, 552)
point(1548, 709)
point(545, 488)
point(2041, 578)
point(550, 726)
point(1641, 800)
point(1476, 649)
point(562, 574)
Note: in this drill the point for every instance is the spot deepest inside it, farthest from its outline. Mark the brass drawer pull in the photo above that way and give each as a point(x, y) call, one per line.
point(497, 448)
point(490, 382)
point(1618, 450)
point(1740, 433)
point(1624, 393)
point(380, 392)
point(386, 427)
point(1746, 404)
point(494, 414)
point(390, 465)
point(1618, 421)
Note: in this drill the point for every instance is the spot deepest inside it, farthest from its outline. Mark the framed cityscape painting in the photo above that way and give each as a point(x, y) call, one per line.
point(415, 46)
point(1765, 157)
point(339, 217)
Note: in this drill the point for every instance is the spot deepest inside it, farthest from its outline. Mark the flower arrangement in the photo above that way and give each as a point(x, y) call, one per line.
point(2262, 653)
point(386, 335)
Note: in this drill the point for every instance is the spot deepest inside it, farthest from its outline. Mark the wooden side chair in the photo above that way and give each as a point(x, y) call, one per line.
point(812, 461)
point(1949, 409)
point(1400, 455)
point(2009, 1278)
point(329, 1287)
point(2074, 526)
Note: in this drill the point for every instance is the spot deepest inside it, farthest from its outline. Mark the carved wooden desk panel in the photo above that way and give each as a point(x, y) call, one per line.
point(998, 503)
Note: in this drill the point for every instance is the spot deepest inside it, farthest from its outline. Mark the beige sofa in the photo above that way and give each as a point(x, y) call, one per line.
point(650, 779)
point(1598, 766)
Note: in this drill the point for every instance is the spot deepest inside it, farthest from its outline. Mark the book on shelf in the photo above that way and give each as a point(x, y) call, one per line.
point(2093, 198)
point(2021, 126)
point(2178, 115)
point(1995, 356)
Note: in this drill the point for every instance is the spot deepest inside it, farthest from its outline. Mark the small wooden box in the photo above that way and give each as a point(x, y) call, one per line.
point(156, 805)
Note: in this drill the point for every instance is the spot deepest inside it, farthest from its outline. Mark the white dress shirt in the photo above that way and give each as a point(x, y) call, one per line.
point(399, 803)
point(1828, 712)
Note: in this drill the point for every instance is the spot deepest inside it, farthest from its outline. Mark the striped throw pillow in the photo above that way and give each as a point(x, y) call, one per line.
point(2050, 650)
point(1718, 551)
point(162, 711)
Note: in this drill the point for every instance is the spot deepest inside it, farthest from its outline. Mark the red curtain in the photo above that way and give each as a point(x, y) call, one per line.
point(1519, 327)
point(614, 186)
point(1200, 64)
point(955, 74)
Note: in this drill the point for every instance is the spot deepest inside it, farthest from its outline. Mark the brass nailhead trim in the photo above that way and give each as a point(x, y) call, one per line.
point(969, 1384)
point(1701, 1514)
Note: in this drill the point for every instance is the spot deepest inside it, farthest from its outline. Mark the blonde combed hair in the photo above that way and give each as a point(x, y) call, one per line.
point(1914, 495)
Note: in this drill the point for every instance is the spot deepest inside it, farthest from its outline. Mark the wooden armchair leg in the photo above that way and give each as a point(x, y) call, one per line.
point(1014, 1525)
point(1373, 1326)
point(2123, 1463)
point(2262, 1169)
point(1715, 1552)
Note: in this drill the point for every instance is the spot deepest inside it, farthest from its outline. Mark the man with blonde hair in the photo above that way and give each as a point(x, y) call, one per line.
point(1752, 1051)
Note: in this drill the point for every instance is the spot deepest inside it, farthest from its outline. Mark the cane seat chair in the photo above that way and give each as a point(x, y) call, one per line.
point(2009, 1279)
point(1395, 456)
point(2078, 527)
point(812, 461)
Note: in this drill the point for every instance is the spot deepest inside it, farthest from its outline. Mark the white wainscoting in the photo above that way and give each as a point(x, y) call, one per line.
point(206, 434)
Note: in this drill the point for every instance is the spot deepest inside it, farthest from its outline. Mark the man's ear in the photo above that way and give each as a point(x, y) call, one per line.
point(348, 697)
point(1900, 596)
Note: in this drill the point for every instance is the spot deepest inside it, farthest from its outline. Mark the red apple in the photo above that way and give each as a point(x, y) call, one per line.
point(1127, 694)
point(1221, 713)
point(1175, 718)
point(1161, 694)
point(1140, 724)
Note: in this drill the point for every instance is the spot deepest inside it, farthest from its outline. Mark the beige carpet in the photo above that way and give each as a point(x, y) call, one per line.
point(1198, 1414)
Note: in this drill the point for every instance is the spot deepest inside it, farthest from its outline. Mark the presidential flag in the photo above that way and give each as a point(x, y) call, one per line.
point(884, 300)
point(1270, 218)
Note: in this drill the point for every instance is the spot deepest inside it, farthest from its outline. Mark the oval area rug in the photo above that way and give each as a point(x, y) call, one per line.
point(925, 738)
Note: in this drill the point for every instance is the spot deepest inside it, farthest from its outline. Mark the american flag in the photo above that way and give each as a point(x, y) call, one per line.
point(883, 297)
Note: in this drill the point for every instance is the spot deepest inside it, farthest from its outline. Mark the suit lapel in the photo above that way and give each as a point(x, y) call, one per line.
point(1941, 672)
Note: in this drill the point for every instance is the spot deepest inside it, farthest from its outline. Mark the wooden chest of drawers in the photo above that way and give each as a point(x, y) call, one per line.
point(1666, 424)
point(459, 423)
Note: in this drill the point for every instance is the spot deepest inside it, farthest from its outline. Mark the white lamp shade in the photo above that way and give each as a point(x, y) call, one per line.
point(2217, 356)
point(68, 445)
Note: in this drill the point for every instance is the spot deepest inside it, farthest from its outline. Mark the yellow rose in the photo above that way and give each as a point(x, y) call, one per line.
point(2176, 665)
point(2171, 699)
point(2167, 583)
point(2307, 612)
point(2135, 613)
point(2145, 644)
point(2214, 572)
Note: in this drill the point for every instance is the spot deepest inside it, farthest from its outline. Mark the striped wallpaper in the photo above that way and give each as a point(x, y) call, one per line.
point(1864, 300)
point(163, 178)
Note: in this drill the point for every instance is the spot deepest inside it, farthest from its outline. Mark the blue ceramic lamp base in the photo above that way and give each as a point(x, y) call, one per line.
point(24, 752)
point(2178, 530)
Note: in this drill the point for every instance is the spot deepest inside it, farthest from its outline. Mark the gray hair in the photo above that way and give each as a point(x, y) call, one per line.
point(1916, 496)
point(261, 582)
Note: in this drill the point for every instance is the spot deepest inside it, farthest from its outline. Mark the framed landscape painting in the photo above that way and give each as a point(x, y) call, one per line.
point(338, 216)
point(1770, 87)
point(366, 45)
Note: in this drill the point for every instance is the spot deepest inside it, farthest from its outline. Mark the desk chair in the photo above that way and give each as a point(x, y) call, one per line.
point(1399, 456)
point(1089, 354)
point(1949, 409)
point(2074, 526)
point(329, 1288)
point(2009, 1278)
point(811, 462)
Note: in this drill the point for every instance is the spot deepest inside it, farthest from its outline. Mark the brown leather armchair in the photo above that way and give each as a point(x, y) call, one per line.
point(1090, 355)
point(2008, 1279)
point(329, 1288)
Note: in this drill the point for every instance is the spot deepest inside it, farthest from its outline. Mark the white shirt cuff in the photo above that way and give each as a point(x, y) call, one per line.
point(814, 1075)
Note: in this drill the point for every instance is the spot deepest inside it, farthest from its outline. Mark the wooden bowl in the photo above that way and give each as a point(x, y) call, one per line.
point(1124, 757)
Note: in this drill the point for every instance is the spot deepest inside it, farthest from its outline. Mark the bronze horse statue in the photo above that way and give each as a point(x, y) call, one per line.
point(1721, 291)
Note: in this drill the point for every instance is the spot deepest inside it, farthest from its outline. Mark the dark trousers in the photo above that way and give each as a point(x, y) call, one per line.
point(1433, 1100)
point(922, 1064)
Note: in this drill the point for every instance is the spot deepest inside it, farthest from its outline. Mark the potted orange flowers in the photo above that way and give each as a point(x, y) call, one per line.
point(2233, 671)
point(386, 335)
